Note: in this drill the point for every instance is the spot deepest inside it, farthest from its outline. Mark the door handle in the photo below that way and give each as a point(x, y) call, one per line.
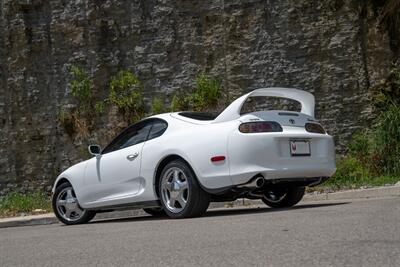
point(132, 156)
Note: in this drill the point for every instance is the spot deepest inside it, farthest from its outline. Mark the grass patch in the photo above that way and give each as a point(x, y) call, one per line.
point(369, 181)
point(15, 203)
point(352, 172)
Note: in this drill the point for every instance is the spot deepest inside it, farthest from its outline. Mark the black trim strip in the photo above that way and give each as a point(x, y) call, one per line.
point(136, 205)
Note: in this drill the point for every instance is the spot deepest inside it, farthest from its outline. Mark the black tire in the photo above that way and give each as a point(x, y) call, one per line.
point(156, 212)
point(287, 197)
point(86, 216)
point(198, 200)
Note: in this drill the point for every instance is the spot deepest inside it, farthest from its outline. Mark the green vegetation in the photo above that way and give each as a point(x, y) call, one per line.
point(100, 107)
point(34, 202)
point(206, 94)
point(179, 103)
point(81, 87)
point(157, 106)
point(374, 155)
point(204, 97)
point(73, 120)
point(126, 94)
point(352, 173)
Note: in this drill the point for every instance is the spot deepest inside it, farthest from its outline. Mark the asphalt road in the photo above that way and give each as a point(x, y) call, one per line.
point(346, 233)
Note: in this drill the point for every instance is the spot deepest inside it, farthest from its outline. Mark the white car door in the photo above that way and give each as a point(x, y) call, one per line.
point(113, 178)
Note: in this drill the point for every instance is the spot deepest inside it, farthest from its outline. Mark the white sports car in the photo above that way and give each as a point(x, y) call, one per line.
point(176, 163)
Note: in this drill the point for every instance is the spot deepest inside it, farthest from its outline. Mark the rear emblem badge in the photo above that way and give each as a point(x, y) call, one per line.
point(292, 121)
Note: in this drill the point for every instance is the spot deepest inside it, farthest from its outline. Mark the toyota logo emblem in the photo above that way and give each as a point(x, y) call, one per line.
point(292, 121)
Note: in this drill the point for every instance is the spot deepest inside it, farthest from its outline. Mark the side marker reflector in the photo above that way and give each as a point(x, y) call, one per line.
point(217, 158)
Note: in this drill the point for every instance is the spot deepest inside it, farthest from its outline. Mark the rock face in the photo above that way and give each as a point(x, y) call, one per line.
point(324, 47)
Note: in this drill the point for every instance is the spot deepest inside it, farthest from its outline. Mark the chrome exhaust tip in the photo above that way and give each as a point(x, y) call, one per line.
point(257, 182)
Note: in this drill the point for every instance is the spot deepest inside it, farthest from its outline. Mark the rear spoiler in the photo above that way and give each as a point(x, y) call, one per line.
point(307, 101)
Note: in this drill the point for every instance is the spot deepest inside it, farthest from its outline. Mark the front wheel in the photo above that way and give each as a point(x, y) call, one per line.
point(283, 197)
point(66, 206)
point(180, 194)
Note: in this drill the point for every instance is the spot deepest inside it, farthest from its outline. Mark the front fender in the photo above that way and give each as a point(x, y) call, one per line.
point(75, 176)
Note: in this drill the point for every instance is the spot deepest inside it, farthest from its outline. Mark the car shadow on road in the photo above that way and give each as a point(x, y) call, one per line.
point(222, 212)
point(240, 211)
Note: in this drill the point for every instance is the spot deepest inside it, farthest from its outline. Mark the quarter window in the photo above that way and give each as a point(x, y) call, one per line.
point(158, 129)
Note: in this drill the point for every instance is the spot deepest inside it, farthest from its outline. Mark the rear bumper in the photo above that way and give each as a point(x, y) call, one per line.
point(269, 155)
point(286, 173)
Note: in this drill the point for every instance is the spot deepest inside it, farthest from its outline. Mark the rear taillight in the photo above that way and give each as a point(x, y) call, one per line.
point(260, 127)
point(314, 128)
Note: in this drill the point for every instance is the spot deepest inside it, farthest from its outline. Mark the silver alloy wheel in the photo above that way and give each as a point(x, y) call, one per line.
point(273, 197)
point(174, 189)
point(68, 206)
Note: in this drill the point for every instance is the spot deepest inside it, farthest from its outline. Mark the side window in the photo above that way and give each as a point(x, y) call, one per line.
point(137, 137)
point(135, 134)
point(158, 129)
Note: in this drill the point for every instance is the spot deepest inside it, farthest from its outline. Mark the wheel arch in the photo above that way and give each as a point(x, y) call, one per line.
point(60, 181)
point(164, 163)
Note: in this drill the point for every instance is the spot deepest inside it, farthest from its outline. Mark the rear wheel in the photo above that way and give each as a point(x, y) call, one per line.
point(156, 212)
point(66, 206)
point(180, 194)
point(283, 197)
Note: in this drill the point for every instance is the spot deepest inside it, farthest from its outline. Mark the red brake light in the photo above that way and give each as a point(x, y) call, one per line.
point(314, 128)
point(260, 127)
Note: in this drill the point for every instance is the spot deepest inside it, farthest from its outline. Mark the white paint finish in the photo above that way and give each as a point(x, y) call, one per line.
point(112, 176)
point(122, 181)
point(269, 154)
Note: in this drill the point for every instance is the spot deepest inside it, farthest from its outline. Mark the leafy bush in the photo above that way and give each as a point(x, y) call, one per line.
point(100, 107)
point(125, 93)
point(387, 132)
point(206, 94)
point(157, 106)
point(81, 86)
point(388, 139)
point(179, 103)
point(204, 97)
point(388, 92)
point(73, 120)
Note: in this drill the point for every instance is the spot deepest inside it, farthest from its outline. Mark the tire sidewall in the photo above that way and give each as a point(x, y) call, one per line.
point(87, 215)
point(192, 186)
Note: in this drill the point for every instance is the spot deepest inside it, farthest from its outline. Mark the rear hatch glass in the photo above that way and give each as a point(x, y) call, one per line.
point(262, 103)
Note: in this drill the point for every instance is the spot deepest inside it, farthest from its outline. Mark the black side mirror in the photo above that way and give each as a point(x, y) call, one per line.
point(94, 150)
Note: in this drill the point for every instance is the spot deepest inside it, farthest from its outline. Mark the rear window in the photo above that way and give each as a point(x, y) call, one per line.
point(201, 116)
point(260, 103)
